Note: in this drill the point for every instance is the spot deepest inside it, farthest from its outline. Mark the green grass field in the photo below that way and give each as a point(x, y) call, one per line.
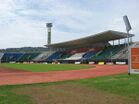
point(117, 89)
point(45, 67)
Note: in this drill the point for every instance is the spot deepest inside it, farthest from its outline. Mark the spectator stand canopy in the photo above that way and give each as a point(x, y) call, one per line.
point(99, 39)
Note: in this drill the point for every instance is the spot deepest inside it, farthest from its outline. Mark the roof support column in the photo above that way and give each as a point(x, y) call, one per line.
point(113, 42)
point(125, 42)
point(119, 42)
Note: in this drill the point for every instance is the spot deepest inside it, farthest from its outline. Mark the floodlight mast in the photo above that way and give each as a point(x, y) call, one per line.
point(49, 25)
point(128, 28)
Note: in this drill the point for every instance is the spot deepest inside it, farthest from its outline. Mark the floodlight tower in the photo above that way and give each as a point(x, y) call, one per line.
point(128, 28)
point(49, 25)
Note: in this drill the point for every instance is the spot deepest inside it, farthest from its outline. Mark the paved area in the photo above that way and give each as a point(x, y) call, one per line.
point(11, 77)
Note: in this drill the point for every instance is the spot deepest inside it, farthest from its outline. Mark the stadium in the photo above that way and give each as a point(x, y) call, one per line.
point(69, 52)
point(97, 48)
point(87, 69)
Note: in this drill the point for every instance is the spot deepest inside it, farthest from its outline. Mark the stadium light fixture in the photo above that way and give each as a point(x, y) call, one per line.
point(49, 25)
point(128, 28)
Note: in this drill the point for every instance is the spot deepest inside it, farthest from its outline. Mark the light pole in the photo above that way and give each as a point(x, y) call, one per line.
point(49, 25)
point(128, 28)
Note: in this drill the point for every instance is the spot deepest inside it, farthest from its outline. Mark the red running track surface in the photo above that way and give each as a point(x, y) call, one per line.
point(19, 77)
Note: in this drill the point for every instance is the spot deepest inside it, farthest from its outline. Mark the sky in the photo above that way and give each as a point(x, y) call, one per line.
point(23, 22)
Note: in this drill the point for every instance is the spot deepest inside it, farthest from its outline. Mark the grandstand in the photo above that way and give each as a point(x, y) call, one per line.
point(17, 57)
point(95, 48)
point(100, 43)
point(24, 54)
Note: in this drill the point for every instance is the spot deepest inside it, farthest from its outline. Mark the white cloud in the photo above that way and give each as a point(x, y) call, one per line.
point(22, 22)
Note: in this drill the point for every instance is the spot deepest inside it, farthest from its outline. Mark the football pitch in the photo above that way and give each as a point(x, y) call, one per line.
point(45, 67)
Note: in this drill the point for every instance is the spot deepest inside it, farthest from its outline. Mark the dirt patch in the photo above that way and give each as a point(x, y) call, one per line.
point(70, 94)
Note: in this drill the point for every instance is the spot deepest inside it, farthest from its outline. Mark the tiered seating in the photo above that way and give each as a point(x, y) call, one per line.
point(65, 55)
point(76, 56)
point(11, 57)
point(123, 54)
point(43, 56)
point(89, 54)
point(108, 52)
point(83, 53)
point(1, 55)
point(54, 56)
point(27, 57)
point(136, 44)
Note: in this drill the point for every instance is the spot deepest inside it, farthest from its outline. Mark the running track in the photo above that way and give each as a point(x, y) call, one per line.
point(15, 77)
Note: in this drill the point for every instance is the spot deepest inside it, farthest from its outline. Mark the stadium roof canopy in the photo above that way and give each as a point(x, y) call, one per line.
point(103, 37)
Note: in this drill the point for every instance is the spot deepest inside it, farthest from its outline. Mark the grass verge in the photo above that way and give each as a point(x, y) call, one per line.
point(117, 89)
